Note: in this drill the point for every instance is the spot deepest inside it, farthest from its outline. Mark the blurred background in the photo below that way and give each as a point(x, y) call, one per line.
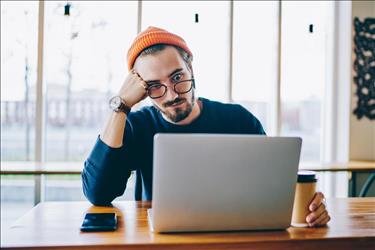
point(289, 63)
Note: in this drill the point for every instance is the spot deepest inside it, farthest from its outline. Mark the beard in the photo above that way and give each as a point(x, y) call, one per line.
point(178, 114)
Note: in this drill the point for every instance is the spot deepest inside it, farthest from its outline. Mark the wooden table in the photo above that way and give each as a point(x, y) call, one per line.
point(352, 166)
point(56, 225)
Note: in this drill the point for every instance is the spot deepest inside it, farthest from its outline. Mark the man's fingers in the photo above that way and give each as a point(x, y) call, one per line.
point(322, 220)
point(325, 221)
point(136, 73)
point(316, 214)
point(144, 85)
point(139, 78)
point(317, 200)
point(319, 214)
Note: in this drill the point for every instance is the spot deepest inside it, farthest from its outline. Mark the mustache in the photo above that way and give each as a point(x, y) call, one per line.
point(170, 103)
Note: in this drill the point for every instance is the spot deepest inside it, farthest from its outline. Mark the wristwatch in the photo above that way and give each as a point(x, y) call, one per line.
point(117, 104)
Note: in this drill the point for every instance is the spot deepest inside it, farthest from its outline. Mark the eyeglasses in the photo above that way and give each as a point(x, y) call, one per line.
point(158, 90)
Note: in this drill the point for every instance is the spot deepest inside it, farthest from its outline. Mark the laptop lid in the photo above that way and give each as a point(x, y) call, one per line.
point(216, 182)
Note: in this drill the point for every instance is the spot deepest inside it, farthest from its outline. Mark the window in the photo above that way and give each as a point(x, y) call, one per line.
point(303, 72)
point(19, 35)
point(85, 64)
point(255, 56)
point(204, 26)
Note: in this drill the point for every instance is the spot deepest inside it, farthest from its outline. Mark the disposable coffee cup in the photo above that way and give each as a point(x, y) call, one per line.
point(305, 191)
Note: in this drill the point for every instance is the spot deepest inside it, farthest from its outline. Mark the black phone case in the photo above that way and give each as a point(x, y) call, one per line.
point(96, 222)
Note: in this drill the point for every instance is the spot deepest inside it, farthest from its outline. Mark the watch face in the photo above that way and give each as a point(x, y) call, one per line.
point(115, 102)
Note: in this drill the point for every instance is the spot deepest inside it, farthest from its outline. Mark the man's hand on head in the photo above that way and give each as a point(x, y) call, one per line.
point(133, 90)
point(318, 215)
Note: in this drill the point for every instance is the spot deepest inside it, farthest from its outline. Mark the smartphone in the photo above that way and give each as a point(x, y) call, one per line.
point(96, 222)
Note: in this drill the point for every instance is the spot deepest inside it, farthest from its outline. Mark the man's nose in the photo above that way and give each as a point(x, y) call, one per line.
point(171, 94)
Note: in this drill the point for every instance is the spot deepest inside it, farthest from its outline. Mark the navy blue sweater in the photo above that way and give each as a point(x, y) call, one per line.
point(107, 169)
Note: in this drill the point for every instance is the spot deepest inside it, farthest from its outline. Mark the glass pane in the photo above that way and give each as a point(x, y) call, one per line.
point(69, 188)
point(255, 55)
point(17, 197)
point(205, 28)
point(19, 39)
point(63, 188)
point(304, 38)
point(85, 64)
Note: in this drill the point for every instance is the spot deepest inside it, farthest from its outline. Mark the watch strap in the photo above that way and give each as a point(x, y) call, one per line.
point(124, 108)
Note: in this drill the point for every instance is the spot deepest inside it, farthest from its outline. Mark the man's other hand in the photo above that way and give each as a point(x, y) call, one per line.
point(318, 215)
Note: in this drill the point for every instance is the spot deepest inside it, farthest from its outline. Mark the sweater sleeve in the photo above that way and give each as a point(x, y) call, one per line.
point(107, 169)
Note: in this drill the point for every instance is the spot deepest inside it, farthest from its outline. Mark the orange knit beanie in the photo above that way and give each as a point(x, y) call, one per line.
point(152, 36)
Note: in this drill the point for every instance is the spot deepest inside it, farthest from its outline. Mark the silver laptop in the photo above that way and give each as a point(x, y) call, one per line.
point(212, 182)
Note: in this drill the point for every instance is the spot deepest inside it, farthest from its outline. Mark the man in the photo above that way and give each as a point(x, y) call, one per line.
point(160, 65)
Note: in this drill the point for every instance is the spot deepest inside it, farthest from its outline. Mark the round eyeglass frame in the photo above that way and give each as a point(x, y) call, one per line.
point(174, 88)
